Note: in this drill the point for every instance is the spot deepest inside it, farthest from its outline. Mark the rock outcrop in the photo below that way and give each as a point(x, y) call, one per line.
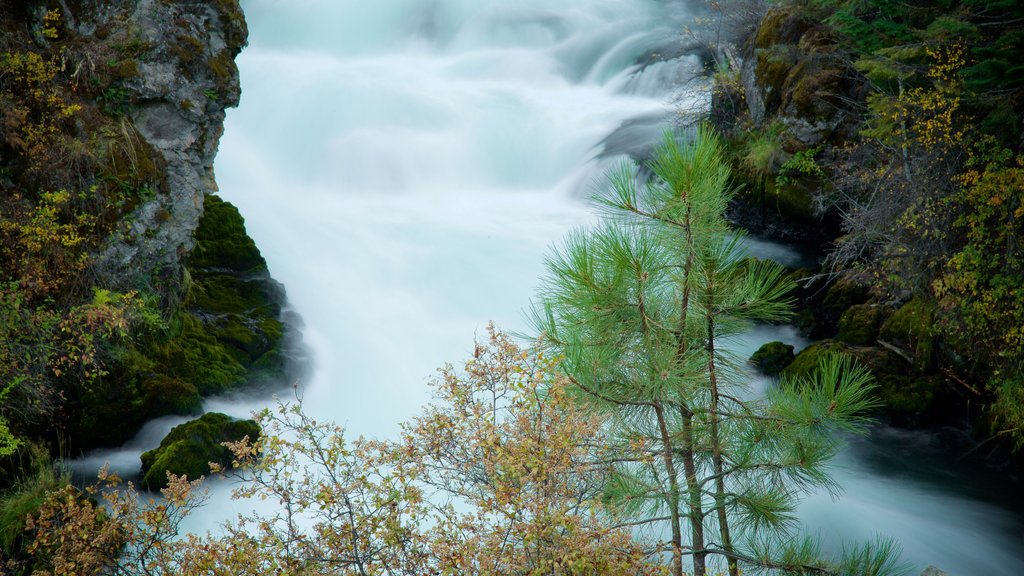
point(174, 84)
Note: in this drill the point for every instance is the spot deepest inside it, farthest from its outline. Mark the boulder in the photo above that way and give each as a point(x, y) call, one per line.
point(772, 358)
point(190, 447)
point(808, 360)
point(859, 324)
point(911, 328)
point(844, 293)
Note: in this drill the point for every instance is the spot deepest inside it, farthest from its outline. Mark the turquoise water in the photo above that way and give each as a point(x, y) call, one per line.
point(404, 165)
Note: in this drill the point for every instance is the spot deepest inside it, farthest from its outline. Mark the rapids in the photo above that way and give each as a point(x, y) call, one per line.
point(404, 165)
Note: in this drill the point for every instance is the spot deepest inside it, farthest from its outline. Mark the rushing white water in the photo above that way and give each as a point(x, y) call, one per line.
point(404, 166)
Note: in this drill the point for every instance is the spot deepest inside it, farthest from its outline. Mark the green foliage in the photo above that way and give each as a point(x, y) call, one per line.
point(638, 308)
point(21, 502)
point(763, 152)
point(800, 164)
point(8, 442)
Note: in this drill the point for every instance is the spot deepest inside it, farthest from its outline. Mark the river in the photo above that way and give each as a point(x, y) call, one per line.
point(404, 165)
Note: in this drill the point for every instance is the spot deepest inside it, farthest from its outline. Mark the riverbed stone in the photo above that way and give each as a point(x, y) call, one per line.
point(189, 448)
point(912, 329)
point(772, 357)
point(859, 324)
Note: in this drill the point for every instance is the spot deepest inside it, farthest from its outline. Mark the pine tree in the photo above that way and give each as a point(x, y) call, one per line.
point(639, 309)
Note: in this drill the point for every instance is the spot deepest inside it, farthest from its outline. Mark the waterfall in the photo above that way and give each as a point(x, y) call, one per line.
point(404, 166)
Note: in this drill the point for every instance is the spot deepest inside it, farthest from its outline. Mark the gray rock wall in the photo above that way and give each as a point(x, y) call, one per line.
point(186, 77)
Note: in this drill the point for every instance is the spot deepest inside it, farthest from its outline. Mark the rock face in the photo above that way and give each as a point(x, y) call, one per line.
point(189, 448)
point(153, 78)
point(175, 87)
point(232, 331)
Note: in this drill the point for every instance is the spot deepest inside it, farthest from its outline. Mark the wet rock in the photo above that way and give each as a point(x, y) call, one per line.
point(189, 448)
point(772, 358)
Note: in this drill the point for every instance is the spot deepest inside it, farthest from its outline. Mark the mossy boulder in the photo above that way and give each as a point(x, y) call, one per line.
point(772, 357)
point(195, 355)
point(844, 293)
point(908, 397)
point(859, 324)
point(794, 201)
point(808, 360)
point(912, 328)
point(189, 448)
point(163, 395)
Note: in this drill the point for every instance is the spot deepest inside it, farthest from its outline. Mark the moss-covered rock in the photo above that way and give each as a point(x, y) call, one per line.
point(772, 357)
point(793, 201)
point(195, 355)
point(165, 395)
point(912, 328)
point(859, 324)
point(808, 360)
point(189, 448)
point(231, 331)
point(843, 294)
point(221, 240)
point(907, 397)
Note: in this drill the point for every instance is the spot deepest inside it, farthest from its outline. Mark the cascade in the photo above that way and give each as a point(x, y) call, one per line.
point(404, 166)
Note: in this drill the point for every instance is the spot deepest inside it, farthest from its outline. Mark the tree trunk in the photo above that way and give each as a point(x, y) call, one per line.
point(693, 488)
point(716, 440)
point(673, 494)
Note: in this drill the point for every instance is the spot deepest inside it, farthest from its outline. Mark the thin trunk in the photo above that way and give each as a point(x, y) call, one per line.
point(716, 440)
point(693, 489)
point(673, 492)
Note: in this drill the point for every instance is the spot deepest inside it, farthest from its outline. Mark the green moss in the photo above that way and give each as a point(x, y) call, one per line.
point(165, 395)
point(902, 393)
point(808, 360)
point(912, 328)
point(781, 25)
point(815, 92)
point(196, 356)
point(845, 292)
point(221, 240)
point(189, 448)
point(772, 357)
point(859, 324)
point(773, 67)
point(226, 293)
